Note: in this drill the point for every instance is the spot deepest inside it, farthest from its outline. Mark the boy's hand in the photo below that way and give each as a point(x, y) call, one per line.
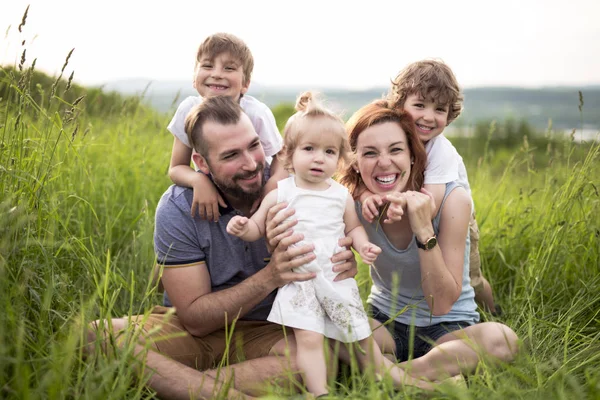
point(206, 202)
point(369, 253)
point(370, 207)
point(237, 226)
point(397, 205)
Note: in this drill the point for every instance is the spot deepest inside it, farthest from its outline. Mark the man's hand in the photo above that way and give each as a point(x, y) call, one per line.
point(277, 227)
point(237, 226)
point(344, 261)
point(286, 257)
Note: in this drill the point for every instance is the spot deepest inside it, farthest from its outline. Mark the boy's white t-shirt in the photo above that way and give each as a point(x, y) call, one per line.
point(444, 164)
point(261, 116)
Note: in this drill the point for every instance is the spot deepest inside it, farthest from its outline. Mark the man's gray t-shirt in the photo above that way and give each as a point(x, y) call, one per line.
point(181, 240)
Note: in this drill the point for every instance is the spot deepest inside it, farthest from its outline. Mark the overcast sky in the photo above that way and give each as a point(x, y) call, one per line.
point(351, 44)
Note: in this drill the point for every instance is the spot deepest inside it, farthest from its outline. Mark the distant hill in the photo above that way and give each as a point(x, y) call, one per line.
point(537, 106)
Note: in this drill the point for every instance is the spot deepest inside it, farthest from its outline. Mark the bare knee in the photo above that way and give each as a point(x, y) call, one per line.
point(502, 342)
point(286, 347)
point(309, 341)
point(310, 345)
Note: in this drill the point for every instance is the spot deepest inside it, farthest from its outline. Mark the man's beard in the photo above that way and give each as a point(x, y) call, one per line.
point(232, 189)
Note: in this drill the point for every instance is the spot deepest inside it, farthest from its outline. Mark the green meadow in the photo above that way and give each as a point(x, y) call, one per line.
point(81, 172)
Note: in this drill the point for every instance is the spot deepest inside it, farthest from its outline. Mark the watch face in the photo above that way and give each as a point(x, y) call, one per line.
point(430, 244)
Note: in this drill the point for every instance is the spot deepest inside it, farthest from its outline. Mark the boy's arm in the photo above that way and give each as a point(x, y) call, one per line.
point(277, 173)
point(206, 198)
point(442, 167)
point(265, 125)
point(180, 171)
point(360, 241)
point(253, 228)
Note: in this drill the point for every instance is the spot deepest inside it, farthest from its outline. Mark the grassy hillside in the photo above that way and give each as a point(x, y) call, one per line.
point(79, 184)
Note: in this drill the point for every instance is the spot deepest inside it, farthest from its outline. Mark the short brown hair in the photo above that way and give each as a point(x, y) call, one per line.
point(221, 42)
point(310, 110)
point(379, 112)
point(221, 109)
point(433, 80)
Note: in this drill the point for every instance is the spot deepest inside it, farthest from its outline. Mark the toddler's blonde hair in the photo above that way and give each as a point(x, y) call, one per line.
point(310, 115)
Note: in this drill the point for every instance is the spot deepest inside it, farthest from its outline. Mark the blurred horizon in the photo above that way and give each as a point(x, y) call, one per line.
point(539, 107)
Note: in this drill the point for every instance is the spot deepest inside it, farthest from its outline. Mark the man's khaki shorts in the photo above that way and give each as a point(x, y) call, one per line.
point(474, 259)
point(248, 340)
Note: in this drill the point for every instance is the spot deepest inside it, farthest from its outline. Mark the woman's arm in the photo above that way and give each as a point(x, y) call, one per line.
point(442, 266)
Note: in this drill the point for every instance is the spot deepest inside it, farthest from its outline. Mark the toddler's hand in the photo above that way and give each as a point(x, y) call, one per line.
point(206, 202)
point(237, 225)
point(369, 253)
point(370, 207)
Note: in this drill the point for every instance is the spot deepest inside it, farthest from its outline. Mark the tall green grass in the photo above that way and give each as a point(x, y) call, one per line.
point(79, 185)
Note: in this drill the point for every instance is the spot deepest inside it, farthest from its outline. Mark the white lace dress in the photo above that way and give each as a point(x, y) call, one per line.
point(320, 304)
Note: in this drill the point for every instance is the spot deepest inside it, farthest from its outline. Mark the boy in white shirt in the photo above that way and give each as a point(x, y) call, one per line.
point(223, 68)
point(428, 91)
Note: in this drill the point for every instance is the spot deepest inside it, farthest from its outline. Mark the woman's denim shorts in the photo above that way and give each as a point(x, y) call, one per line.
point(424, 337)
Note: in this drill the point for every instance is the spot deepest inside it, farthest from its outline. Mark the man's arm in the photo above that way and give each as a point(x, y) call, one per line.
point(203, 311)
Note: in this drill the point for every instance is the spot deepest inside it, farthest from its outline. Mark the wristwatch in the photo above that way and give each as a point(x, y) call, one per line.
point(429, 243)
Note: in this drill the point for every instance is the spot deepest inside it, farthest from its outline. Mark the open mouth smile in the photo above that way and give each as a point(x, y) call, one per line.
point(217, 87)
point(386, 180)
point(424, 128)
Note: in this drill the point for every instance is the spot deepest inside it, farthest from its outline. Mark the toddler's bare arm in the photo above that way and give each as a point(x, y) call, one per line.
point(360, 241)
point(253, 228)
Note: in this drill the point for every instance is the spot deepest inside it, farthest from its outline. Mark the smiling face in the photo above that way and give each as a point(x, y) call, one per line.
point(221, 75)
point(235, 159)
point(430, 118)
point(383, 158)
point(315, 158)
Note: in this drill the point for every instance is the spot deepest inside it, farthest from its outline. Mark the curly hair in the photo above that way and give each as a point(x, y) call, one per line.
point(433, 80)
